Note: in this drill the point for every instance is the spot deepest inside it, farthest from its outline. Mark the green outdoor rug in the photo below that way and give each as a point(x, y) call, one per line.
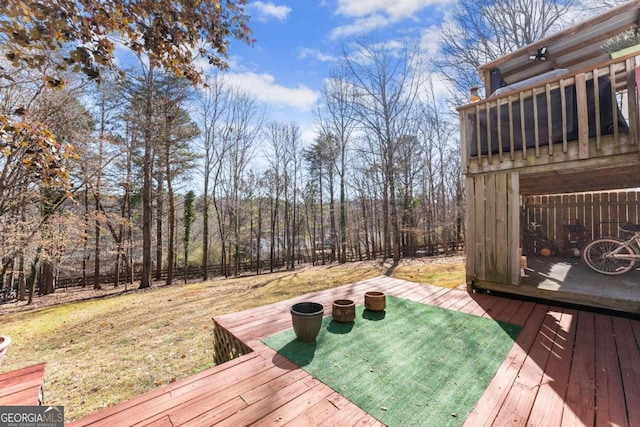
point(410, 365)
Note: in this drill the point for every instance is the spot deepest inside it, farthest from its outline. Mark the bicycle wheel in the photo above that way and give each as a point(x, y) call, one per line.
point(596, 254)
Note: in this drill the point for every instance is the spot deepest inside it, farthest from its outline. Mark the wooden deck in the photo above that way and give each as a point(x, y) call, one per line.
point(567, 367)
point(22, 387)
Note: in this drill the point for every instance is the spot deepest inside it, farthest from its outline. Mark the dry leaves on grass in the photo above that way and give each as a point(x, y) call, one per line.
point(106, 346)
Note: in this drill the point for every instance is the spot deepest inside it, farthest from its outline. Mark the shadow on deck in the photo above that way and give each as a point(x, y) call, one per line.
point(566, 367)
point(571, 281)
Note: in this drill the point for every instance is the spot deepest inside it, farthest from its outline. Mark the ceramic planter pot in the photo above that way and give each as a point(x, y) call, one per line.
point(375, 301)
point(4, 344)
point(307, 320)
point(344, 310)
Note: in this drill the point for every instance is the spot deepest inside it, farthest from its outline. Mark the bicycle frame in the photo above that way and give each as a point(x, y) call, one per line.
point(634, 243)
point(613, 256)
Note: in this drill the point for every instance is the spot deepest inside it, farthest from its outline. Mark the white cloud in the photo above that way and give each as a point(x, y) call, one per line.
point(269, 10)
point(317, 55)
point(396, 9)
point(360, 26)
point(370, 15)
point(265, 89)
point(430, 41)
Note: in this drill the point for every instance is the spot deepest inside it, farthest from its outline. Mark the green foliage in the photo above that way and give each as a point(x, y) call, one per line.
point(189, 217)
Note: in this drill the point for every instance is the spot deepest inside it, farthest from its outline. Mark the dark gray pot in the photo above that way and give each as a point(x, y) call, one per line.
point(307, 320)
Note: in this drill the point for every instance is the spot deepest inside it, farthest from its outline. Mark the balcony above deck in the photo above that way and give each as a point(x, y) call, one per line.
point(563, 108)
point(583, 121)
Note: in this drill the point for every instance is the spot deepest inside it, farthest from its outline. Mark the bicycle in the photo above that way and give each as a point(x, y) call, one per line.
point(613, 256)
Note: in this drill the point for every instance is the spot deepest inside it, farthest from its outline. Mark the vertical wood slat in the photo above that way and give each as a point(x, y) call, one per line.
point(536, 121)
point(478, 138)
point(596, 104)
point(490, 242)
point(597, 211)
point(632, 94)
point(549, 118)
point(470, 247)
point(589, 217)
point(614, 102)
point(513, 225)
point(563, 106)
point(611, 215)
point(499, 128)
point(511, 134)
point(501, 265)
point(522, 127)
point(583, 117)
point(479, 223)
point(623, 207)
point(487, 109)
point(465, 138)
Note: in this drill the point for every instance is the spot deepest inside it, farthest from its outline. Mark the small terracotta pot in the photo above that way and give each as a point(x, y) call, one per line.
point(307, 320)
point(375, 301)
point(344, 310)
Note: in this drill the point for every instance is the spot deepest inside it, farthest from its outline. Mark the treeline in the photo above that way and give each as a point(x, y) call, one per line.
point(171, 176)
point(216, 270)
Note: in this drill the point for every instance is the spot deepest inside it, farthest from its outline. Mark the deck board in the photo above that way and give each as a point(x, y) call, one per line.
point(580, 400)
point(609, 388)
point(519, 402)
point(549, 404)
point(566, 367)
point(629, 359)
point(22, 386)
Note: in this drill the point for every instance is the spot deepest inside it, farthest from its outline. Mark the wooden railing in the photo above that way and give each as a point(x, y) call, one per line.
point(575, 116)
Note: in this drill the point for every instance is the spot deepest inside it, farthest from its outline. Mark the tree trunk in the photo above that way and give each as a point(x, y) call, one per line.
point(332, 216)
point(96, 254)
point(343, 218)
point(259, 238)
point(22, 286)
point(48, 284)
point(33, 278)
point(394, 222)
point(145, 281)
point(159, 213)
point(85, 239)
point(172, 215)
point(274, 218)
point(205, 231)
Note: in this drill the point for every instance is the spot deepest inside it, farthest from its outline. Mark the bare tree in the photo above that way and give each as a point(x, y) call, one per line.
point(245, 122)
point(319, 162)
point(283, 140)
point(386, 82)
point(481, 31)
point(176, 133)
point(213, 103)
point(337, 118)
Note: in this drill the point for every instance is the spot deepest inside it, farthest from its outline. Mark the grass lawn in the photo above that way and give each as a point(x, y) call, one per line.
point(103, 351)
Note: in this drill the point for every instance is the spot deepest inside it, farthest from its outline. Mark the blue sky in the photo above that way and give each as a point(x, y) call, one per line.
point(299, 42)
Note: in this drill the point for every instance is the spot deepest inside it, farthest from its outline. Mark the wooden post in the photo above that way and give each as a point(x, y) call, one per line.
point(583, 117)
